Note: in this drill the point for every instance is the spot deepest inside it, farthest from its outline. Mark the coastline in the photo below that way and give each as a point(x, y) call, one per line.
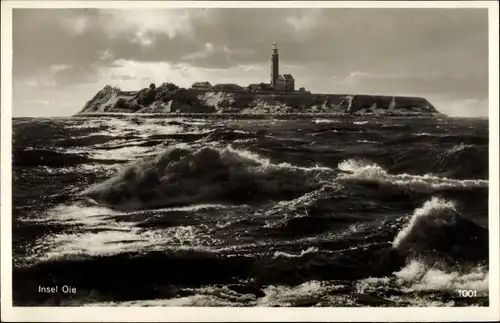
point(279, 116)
point(169, 99)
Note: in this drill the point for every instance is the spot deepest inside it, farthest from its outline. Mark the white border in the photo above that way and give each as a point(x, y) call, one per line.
point(64, 314)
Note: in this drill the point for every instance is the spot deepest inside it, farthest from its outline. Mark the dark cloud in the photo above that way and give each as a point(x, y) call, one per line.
point(403, 50)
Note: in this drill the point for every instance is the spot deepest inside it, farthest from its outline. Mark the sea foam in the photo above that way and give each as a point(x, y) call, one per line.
point(418, 276)
point(422, 214)
point(181, 176)
point(361, 171)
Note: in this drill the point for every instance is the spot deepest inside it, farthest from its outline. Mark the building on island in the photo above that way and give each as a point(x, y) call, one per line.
point(201, 85)
point(275, 65)
point(286, 83)
point(280, 82)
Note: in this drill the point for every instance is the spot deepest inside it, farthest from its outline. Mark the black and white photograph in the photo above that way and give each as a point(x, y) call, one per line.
point(273, 155)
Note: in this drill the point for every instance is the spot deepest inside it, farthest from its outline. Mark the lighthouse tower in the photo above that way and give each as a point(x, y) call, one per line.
point(274, 65)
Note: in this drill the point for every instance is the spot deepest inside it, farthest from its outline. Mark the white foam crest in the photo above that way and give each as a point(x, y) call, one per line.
point(458, 148)
point(87, 123)
point(116, 143)
point(297, 202)
point(372, 284)
point(121, 127)
point(189, 208)
point(360, 122)
point(368, 142)
point(288, 206)
point(82, 168)
point(75, 214)
point(319, 121)
point(103, 243)
point(146, 130)
point(428, 182)
point(418, 276)
point(429, 206)
point(278, 254)
point(164, 127)
point(289, 296)
point(265, 162)
point(250, 169)
point(423, 302)
point(206, 296)
point(246, 154)
point(194, 122)
point(123, 153)
point(117, 237)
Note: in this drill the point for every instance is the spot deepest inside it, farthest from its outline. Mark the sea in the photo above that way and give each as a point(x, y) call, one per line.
point(162, 210)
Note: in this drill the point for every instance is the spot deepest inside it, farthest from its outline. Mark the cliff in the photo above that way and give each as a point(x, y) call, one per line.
point(169, 98)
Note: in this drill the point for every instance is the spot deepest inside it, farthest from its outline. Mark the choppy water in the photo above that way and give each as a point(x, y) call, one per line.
point(339, 212)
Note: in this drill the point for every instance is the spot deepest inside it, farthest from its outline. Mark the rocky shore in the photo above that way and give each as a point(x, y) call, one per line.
point(169, 98)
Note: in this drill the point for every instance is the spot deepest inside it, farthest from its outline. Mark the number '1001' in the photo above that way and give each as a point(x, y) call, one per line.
point(467, 293)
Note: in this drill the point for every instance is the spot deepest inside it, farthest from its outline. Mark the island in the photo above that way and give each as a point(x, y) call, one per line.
point(278, 97)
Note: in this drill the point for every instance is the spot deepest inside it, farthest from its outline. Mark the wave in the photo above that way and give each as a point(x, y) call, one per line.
point(229, 135)
point(437, 231)
point(318, 121)
point(44, 157)
point(139, 126)
point(114, 239)
point(302, 253)
point(80, 169)
point(422, 277)
point(187, 176)
point(359, 171)
point(458, 148)
point(368, 142)
point(292, 296)
point(426, 210)
point(418, 276)
point(464, 160)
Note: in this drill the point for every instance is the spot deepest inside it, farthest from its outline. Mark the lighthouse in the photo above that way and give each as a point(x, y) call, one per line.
point(274, 65)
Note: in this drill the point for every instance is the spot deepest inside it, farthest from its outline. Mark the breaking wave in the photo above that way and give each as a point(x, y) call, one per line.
point(186, 176)
point(339, 212)
point(437, 230)
point(418, 276)
point(368, 172)
point(420, 215)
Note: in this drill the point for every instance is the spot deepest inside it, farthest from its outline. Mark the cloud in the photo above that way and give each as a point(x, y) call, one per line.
point(251, 67)
point(207, 50)
point(128, 74)
point(58, 68)
point(412, 51)
point(77, 24)
point(45, 78)
point(39, 102)
point(358, 74)
point(461, 106)
point(303, 25)
point(144, 23)
point(106, 55)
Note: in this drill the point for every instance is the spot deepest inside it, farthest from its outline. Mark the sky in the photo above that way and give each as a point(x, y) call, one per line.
point(62, 57)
